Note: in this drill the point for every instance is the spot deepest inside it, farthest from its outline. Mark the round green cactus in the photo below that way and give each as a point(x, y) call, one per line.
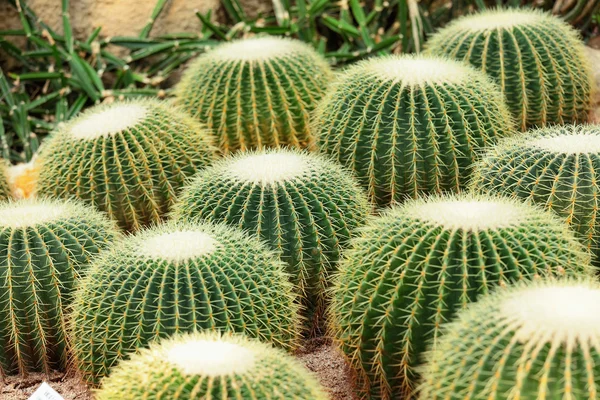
point(416, 265)
point(256, 93)
point(179, 278)
point(4, 188)
point(303, 205)
point(537, 59)
point(45, 245)
point(409, 125)
point(534, 341)
point(555, 167)
point(127, 159)
point(210, 366)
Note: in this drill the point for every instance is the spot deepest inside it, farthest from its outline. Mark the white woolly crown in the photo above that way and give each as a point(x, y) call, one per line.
point(179, 246)
point(268, 168)
point(211, 358)
point(30, 214)
point(108, 121)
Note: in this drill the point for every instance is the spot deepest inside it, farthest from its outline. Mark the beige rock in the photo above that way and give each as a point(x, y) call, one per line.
point(594, 56)
point(117, 17)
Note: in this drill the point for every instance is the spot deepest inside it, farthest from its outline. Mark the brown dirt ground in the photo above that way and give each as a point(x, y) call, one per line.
point(317, 354)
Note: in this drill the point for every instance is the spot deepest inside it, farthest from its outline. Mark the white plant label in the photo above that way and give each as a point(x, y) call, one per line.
point(45, 392)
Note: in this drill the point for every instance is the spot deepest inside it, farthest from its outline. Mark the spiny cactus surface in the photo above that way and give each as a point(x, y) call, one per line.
point(210, 366)
point(407, 124)
point(556, 167)
point(256, 93)
point(45, 247)
point(180, 278)
point(535, 341)
point(537, 60)
point(128, 159)
point(416, 265)
point(4, 188)
point(303, 205)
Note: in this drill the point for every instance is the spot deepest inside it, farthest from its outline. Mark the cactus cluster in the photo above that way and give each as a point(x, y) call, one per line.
point(179, 277)
point(417, 264)
point(302, 204)
point(45, 246)
point(128, 159)
point(538, 61)
point(210, 366)
point(555, 167)
point(256, 93)
point(407, 125)
point(538, 340)
point(4, 188)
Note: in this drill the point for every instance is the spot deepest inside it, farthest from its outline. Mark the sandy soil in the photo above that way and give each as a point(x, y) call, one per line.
point(317, 354)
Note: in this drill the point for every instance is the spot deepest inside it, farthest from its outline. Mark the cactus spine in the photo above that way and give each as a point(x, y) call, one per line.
point(303, 205)
point(534, 341)
point(179, 278)
point(408, 125)
point(555, 167)
point(45, 245)
point(127, 159)
point(256, 93)
point(416, 265)
point(210, 366)
point(537, 59)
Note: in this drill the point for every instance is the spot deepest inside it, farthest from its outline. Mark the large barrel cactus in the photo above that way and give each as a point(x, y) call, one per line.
point(538, 61)
point(179, 278)
point(45, 247)
point(210, 366)
point(407, 124)
point(4, 188)
point(256, 93)
point(534, 341)
point(557, 168)
point(303, 205)
point(128, 159)
point(416, 265)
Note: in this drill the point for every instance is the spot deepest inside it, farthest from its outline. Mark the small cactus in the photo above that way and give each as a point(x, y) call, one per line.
point(4, 188)
point(538, 61)
point(530, 341)
point(45, 245)
point(127, 159)
point(407, 125)
point(256, 93)
point(556, 167)
point(178, 278)
point(303, 205)
point(210, 366)
point(416, 265)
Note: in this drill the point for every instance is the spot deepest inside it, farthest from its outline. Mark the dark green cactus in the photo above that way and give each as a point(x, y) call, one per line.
point(302, 204)
point(4, 189)
point(256, 93)
point(537, 59)
point(127, 159)
point(416, 265)
point(45, 246)
point(409, 125)
point(210, 366)
point(180, 278)
point(534, 341)
point(555, 167)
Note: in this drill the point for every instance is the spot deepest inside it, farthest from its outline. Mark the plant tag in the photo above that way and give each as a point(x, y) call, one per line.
point(45, 392)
